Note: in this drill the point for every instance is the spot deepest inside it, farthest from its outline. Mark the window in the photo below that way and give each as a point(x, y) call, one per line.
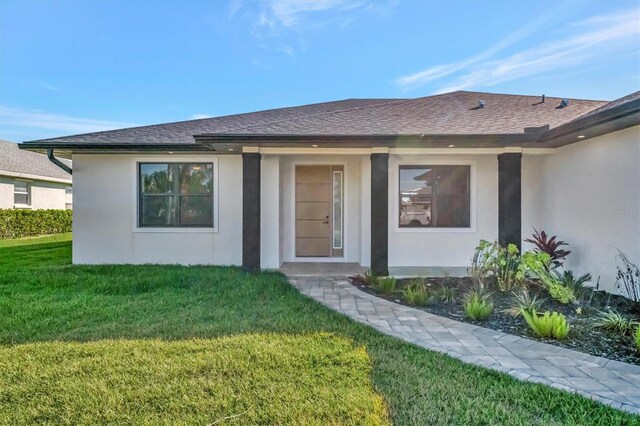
point(435, 197)
point(337, 209)
point(175, 195)
point(22, 193)
point(68, 190)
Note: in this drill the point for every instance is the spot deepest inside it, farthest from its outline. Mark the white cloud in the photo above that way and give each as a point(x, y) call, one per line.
point(297, 18)
point(595, 37)
point(36, 119)
point(46, 85)
point(290, 13)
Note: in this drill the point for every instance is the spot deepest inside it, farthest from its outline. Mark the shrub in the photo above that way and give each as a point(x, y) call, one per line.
point(369, 278)
point(550, 246)
point(507, 267)
point(560, 293)
point(628, 279)
point(447, 294)
point(567, 279)
point(614, 321)
point(550, 324)
point(416, 293)
point(17, 223)
point(386, 285)
point(637, 338)
point(477, 307)
point(538, 264)
point(482, 262)
point(524, 301)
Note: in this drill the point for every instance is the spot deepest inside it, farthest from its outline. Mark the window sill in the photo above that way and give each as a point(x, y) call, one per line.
point(471, 230)
point(22, 206)
point(175, 230)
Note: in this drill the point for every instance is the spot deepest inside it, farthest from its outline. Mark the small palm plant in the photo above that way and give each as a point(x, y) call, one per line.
point(637, 338)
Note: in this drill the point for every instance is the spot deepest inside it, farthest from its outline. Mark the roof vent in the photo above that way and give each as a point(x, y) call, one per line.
point(564, 103)
point(481, 104)
point(543, 99)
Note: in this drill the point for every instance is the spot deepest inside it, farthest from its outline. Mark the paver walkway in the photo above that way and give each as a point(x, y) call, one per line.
point(611, 382)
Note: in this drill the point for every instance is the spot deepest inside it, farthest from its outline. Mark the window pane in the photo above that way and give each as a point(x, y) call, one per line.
point(453, 212)
point(68, 190)
point(452, 180)
point(196, 210)
point(156, 178)
point(435, 196)
point(196, 178)
point(157, 210)
point(20, 187)
point(20, 198)
point(415, 196)
point(337, 210)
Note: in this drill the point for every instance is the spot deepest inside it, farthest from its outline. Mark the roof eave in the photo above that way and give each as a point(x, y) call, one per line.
point(367, 141)
point(610, 120)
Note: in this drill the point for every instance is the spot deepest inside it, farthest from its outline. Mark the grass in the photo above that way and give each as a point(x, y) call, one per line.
point(262, 379)
point(48, 307)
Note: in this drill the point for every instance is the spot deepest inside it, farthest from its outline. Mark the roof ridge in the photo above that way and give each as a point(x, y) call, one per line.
point(527, 96)
point(230, 131)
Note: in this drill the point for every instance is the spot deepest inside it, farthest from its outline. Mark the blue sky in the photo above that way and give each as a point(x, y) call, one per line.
point(71, 67)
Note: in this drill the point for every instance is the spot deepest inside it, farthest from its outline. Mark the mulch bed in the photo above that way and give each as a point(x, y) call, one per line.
point(583, 336)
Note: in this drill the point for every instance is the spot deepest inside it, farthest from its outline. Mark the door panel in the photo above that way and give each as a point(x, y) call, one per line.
point(312, 247)
point(313, 211)
point(316, 192)
point(311, 228)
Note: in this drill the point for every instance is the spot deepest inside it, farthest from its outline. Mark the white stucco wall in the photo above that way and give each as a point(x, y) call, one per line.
point(270, 212)
point(44, 195)
point(448, 249)
point(588, 194)
point(47, 195)
point(6, 192)
point(104, 224)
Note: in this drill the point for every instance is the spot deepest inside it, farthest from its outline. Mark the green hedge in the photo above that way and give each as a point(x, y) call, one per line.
point(28, 223)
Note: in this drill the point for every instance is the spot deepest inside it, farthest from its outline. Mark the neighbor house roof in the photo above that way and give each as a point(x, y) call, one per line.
point(19, 163)
point(500, 119)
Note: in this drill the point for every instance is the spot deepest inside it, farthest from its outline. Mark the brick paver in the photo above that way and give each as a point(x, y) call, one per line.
point(611, 382)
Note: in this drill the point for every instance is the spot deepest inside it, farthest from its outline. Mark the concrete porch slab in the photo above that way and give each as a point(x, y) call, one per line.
point(306, 269)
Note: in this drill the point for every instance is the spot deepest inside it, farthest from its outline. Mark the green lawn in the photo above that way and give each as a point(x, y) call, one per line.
point(179, 344)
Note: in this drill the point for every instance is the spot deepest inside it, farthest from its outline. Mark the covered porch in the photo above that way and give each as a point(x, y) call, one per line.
point(323, 210)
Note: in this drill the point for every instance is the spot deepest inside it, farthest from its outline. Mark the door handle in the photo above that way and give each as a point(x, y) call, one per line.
point(326, 221)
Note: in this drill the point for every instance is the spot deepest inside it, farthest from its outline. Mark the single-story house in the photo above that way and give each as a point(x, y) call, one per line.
point(401, 186)
point(28, 180)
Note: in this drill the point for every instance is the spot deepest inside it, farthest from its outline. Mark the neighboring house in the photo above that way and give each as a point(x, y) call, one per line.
point(404, 186)
point(30, 181)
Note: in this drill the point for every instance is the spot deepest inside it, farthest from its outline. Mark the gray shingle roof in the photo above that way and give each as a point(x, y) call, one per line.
point(455, 113)
point(620, 101)
point(15, 160)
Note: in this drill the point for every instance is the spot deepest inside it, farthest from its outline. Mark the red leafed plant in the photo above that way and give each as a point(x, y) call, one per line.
point(550, 245)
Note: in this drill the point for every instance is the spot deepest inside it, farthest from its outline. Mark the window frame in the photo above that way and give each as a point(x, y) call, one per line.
point(426, 163)
point(137, 198)
point(28, 193)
